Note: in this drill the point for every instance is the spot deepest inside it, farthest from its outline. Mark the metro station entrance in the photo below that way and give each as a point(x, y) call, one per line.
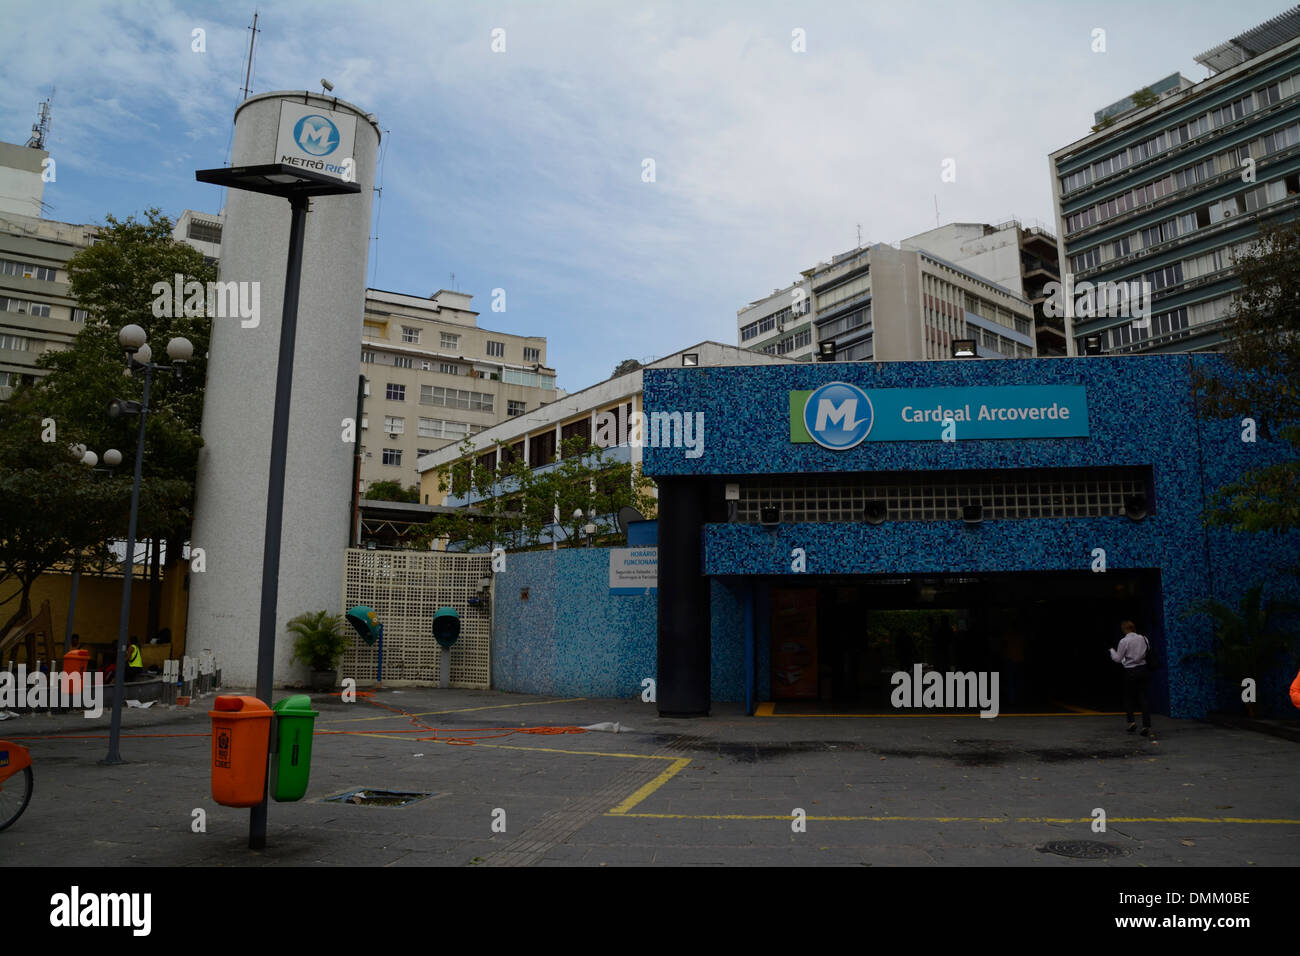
point(835, 644)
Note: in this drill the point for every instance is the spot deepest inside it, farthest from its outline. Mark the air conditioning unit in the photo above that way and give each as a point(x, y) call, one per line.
point(1227, 213)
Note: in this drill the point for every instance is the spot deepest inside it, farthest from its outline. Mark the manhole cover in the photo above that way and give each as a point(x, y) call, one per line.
point(1083, 849)
point(369, 797)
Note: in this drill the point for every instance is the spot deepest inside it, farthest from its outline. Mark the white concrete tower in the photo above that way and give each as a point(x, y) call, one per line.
point(230, 513)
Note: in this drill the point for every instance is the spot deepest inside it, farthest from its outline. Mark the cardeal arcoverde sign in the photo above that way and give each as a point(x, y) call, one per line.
point(841, 416)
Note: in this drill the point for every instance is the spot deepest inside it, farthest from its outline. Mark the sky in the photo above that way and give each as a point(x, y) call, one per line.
point(524, 169)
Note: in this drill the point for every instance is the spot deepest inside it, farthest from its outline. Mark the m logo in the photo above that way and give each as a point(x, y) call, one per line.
point(316, 135)
point(838, 416)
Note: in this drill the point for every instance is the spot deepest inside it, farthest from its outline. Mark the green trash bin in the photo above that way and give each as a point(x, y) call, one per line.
point(291, 742)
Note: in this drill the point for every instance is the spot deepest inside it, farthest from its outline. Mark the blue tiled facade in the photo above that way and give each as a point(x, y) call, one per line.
point(1142, 412)
point(570, 637)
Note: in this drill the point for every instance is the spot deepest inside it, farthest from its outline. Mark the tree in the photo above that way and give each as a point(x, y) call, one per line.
point(516, 504)
point(1250, 640)
point(1263, 353)
point(392, 491)
point(51, 505)
point(114, 281)
point(1145, 97)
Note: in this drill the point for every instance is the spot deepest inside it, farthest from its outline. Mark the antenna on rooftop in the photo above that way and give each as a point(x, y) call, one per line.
point(41, 128)
point(252, 38)
point(859, 235)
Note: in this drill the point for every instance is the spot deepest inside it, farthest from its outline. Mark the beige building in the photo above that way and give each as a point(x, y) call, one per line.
point(36, 313)
point(886, 304)
point(434, 378)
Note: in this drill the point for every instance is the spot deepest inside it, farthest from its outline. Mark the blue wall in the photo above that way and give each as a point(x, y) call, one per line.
point(1141, 412)
point(571, 638)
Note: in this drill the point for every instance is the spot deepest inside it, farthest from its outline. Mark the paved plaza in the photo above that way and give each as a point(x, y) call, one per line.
point(508, 786)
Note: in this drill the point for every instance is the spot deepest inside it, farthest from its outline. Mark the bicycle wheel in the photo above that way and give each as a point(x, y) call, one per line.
point(14, 796)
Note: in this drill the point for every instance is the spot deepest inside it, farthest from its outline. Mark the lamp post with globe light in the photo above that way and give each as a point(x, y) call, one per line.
point(138, 356)
point(112, 458)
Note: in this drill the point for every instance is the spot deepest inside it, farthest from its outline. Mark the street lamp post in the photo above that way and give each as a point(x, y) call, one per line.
point(112, 458)
point(297, 186)
point(139, 355)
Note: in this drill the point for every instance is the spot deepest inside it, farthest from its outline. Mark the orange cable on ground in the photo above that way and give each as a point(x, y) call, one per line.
point(482, 733)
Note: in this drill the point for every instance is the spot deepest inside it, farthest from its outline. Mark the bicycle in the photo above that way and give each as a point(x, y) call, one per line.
point(15, 782)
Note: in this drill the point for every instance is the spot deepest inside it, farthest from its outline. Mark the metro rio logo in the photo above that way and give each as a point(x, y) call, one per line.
point(838, 416)
point(315, 134)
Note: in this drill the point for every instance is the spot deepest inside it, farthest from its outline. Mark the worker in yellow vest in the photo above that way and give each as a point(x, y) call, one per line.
point(134, 661)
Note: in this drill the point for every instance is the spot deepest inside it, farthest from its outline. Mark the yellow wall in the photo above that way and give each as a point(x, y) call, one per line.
point(99, 604)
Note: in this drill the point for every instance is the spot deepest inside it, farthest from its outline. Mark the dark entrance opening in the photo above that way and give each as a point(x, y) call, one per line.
point(836, 642)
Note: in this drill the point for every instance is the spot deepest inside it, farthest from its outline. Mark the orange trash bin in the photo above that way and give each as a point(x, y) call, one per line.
point(75, 663)
point(241, 737)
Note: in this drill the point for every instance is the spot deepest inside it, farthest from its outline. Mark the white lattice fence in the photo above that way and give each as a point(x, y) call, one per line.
point(405, 588)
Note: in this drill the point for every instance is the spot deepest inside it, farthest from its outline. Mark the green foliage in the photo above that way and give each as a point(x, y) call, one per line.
point(320, 639)
point(113, 280)
point(1263, 351)
point(1145, 97)
point(392, 491)
point(52, 506)
point(520, 502)
point(1249, 639)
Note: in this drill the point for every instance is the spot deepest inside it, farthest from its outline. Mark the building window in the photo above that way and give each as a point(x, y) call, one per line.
point(448, 340)
point(410, 336)
point(514, 408)
point(496, 349)
point(367, 356)
point(79, 316)
point(541, 449)
point(457, 398)
point(402, 361)
point(394, 425)
point(395, 393)
point(26, 270)
point(392, 456)
point(14, 343)
point(205, 231)
point(437, 428)
point(447, 368)
point(532, 355)
point(426, 366)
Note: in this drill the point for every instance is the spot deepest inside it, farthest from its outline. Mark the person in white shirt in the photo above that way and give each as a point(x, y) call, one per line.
point(1132, 653)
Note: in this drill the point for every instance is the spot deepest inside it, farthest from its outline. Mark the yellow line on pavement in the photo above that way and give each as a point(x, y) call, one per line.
point(462, 710)
point(765, 709)
point(787, 817)
point(581, 753)
point(649, 788)
point(1089, 713)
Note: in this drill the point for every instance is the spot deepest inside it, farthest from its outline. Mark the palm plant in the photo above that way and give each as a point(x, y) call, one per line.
point(320, 639)
point(1250, 639)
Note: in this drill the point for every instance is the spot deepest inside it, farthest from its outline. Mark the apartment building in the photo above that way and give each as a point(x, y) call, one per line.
point(36, 312)
point(434, 378)
point(780, 323)
point(1022, 258)
point(881, 303)
point(1170, 193)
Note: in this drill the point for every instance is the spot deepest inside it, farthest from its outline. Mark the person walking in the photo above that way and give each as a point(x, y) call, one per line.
point(1132, 654)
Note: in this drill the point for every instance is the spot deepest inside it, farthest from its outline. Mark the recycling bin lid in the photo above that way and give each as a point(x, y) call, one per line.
point(297, 705)
point(238, 707)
